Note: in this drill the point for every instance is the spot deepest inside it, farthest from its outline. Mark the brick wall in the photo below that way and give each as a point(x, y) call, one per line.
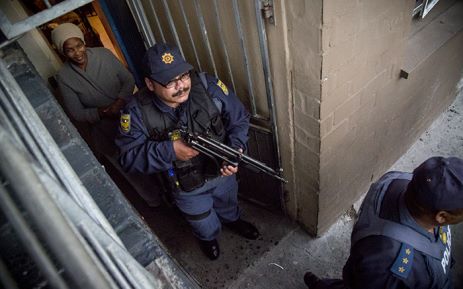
point(368, 115)
point(304, 36)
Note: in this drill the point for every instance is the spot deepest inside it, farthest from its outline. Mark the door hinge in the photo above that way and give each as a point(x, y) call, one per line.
point(267, 11)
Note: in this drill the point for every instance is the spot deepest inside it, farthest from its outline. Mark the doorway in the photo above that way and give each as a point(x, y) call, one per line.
point(175, 234)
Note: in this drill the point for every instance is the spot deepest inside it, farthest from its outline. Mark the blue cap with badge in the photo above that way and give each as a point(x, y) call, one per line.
point(163, 62)
point(438, 183)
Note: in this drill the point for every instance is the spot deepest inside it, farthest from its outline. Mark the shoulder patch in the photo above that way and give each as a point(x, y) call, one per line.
point(444, 233)
point(222, 86)
point(125, 122)
point(404, 261)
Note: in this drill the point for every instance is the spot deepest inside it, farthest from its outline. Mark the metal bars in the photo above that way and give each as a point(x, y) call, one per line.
point(268, 82)
point(15, 97)
point(170, 19)
point(222, 42)
point(204, 34)
point(156, 19)
point(250, 84)
point(190, 35)
point(68, 249)
point(93, 256)
point(12, 30)
point(137, 9)
point(26, 236)
point(179, 24)
point(202, 24)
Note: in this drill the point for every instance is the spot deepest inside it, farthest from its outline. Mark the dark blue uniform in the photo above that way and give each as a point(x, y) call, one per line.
point(217, 199)
point(138, 153)
point(378, 260)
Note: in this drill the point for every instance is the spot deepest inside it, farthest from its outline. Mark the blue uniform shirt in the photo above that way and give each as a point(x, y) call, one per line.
point(373, 262)
point(139, 153)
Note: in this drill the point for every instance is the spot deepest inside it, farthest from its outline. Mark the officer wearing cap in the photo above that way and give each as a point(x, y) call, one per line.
point(402, 238)
point(176, 97)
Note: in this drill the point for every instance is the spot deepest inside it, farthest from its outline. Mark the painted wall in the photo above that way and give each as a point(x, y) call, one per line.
point(304, 22)
point(369, 115)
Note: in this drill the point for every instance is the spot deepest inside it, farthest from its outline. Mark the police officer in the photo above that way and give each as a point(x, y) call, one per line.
point(402, 238)
point(176, 97)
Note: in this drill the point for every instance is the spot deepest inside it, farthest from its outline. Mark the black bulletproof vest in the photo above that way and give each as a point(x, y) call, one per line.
point(371, 223)
point(201, 115)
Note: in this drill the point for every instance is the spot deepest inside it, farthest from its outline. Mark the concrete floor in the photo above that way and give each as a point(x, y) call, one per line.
point(284, 252)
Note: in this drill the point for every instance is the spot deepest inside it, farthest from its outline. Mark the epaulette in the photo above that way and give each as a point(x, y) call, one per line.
point(222, 86)
point(404, 261)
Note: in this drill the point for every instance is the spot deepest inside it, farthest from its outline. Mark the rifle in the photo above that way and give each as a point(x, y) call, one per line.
point(213, 148)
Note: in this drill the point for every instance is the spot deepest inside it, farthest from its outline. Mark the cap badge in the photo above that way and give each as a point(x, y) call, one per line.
point(167, 58)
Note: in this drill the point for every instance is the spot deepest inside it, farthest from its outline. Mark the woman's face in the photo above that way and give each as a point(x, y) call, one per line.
point(74, 49)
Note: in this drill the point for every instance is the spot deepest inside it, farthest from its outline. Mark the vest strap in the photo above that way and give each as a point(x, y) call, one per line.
point(370, 224)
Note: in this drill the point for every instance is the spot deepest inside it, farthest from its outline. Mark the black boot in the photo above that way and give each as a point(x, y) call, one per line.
point(311, 280)
point(210, 248)
point(243, 228)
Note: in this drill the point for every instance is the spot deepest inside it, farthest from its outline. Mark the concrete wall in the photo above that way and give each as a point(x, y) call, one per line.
point(370, 116)
point(304, 41)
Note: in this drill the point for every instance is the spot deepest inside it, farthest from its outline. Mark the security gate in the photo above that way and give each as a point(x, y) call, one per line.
point(226, 39)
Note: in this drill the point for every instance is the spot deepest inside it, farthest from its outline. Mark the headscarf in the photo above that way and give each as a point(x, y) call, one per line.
point(63, 32)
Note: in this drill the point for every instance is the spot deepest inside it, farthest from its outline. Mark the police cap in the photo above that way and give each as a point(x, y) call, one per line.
point(438, 183)
point(163, 62)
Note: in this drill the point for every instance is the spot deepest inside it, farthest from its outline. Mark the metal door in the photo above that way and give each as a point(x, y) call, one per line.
point(226, 39)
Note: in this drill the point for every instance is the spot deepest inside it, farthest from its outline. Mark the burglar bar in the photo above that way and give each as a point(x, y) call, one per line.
point(53, 228)
point(53, 210)
point(268, 83)
point(204, 35)
point(222, 42)
point(12, 30)
point(23, 114)
point(137, 9)
point(156, 19)
point(190, 35)
point(28, 239)
point(172, 26)
point(245, 56)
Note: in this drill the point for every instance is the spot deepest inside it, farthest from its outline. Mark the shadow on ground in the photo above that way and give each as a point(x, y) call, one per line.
point(237, 253)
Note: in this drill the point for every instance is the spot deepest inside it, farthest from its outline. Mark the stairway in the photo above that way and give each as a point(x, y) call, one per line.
point(137, 238)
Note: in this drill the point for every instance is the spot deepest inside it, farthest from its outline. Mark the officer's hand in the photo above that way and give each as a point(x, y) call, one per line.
point(228, 170)
point(103, 112)
point(182, 151)
point(115, 108)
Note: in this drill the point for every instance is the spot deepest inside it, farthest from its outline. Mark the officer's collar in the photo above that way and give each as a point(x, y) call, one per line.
point(407, 220)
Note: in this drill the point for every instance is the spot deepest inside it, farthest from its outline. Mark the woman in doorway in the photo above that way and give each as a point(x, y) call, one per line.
point(95, 86)
point(93, 83)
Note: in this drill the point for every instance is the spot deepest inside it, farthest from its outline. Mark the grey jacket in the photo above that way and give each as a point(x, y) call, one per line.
point(104, 80)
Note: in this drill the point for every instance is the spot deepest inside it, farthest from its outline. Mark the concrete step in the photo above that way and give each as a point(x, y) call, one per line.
point(129, 227)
